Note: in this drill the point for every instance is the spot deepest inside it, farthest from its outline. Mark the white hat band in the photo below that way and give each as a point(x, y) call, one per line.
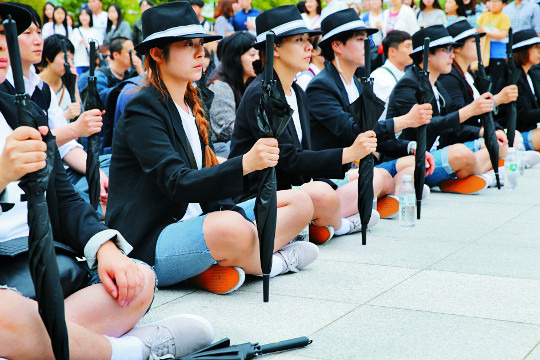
point(281, 29)
point(465, 34)
point(176, 32)
point(345, 27)
point(532, 41)
point(434, 43)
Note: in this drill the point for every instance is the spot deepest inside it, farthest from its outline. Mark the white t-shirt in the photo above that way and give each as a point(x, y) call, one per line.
point(192, 134)
point(13, 223)
point(352, 90)
point(438, 99)
point(100, 24)
point(385, 79)
point(303, 78)
point(291, 100)
point(81, 57)
point(529, 80)
point(470, 80)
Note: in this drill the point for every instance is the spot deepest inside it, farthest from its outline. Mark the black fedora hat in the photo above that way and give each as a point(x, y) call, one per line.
point(462, 30)
point(171, 22)
point(340, 22)
point(283, 21)
point(525, 38)
point(22, 17)
point(438, 36)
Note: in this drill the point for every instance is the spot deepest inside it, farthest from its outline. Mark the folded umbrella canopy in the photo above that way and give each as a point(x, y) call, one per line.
point(69, 78)
point(222, 350)
point(483, 85)
point(205, 94)
point(273, 115)
point(366, 111)
point(424, 95)
point(92, 160)
point(42, 258)
point(512, 74)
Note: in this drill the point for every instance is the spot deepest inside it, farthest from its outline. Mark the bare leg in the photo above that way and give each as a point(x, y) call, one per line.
point(23, 335)
point(295, 211)
point(398, 179)
point(103, 314)
point(536, 139)
point(462, 160)
point(483, 162)
point(326, 204)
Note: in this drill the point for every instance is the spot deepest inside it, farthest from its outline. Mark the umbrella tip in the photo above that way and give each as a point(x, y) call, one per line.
point(418, 208)
point(364, 233)
point(266, 287)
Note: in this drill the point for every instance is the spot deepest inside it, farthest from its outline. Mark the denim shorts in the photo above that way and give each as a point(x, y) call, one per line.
point(527, 139)
point(389, 166)
point(181, 250)
point(443, 170)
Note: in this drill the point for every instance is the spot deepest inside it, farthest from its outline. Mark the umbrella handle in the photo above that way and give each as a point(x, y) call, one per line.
point(284, 345)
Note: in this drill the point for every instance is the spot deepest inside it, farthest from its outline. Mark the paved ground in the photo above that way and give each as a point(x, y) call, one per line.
point(463, 284)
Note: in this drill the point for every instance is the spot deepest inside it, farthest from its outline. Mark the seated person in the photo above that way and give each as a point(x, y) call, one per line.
point(72, 153)
point(298, 163)
point(118, 290)
point(455, 165)
point(168, 193)
point(330, 94)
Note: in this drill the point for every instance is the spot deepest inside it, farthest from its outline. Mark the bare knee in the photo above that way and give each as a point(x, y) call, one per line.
point(461, 159)
point(322, 194)
point(229, 235)
point(383, 180)
point(299, 202)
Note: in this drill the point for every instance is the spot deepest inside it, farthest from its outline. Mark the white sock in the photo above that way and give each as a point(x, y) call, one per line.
point(278, 265)
point(126, 347)
point(345, 227)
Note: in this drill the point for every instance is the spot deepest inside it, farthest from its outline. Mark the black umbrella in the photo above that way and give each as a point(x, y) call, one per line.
point(132, 71)
point(206, 95)
point(69, 79)
point(42, 258)
point(424, 95)
point(512, 74)
point(222, 350)
point(92, 159)
point(273, 116)
point(483, 85)
point(366, 111)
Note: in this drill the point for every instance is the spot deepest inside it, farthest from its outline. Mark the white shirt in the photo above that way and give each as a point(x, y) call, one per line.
point(13, 223)
point(50, 29)
point(470, 80)
point(192, 133)
point(291, 100)
point(437, 97)
point(313, 24)
point(352, 90)
point(529, 80)
point(331, 8)
point(303, 78)
point(406, 20)
point(100, 24)
point(55, 114)
point(384, 80)
point(81, 56)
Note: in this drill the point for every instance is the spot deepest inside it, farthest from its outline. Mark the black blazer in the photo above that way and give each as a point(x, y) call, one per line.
point(73, 221)
point(332, 126)
point(152, 179)
point(528, 106)
point(297, 164)
point(403, 98)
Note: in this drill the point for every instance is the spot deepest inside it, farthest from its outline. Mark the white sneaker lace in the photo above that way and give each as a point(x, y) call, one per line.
point(290, 257)
point(162, 350)
point(356, 223)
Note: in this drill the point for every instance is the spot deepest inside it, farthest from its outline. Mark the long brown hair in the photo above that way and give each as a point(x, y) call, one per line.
point(153, 78)
point(224, 8)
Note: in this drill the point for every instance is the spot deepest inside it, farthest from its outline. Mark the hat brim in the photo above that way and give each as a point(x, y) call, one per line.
point(527, 43)
point(21, 16)
point(449, 43)
point(145, 46)
point(461, 42)
point(369, 31)
point(297, 31)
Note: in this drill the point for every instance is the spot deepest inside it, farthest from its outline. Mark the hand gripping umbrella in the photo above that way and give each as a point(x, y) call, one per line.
point(366, 110)
point(490, 137)
point(273, 116)
point(69, 79)
point(92, 159)
point(512, 74)
point(42, 259)
point(223, 351)
point(424, 95)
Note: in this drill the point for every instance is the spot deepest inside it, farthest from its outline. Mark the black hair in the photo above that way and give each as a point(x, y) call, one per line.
point(326, 50)
point(318, 10)
point(461, 10)
point(393, 39)
point(45, 18)
point(419, 56)
point(118, 22)
point(33, 13)
point(198, 3)
point(436, 5)
point(301, 6)
point(89, 12)
point(64, 23)
point(149, 2)
point(53, 46)
point(231, 70)
point(116, 45)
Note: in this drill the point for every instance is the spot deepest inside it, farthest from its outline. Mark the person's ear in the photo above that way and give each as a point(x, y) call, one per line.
point(337, 46)
point(157, 55)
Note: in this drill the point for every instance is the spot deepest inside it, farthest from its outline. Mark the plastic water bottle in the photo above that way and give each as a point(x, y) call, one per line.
point(303, 236)
point(407, 203)
point(521, 157)
point(511, 175)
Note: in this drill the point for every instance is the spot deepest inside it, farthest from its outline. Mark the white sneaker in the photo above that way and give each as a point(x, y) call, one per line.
point(174, 337)
point(426, 191)
point(298, 255)
point(532, 157)
point(357, 223)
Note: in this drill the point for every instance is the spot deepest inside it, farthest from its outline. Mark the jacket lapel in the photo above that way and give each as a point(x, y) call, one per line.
point(339, 83)
point(8, 109)
point(291, 128)
point(179, 130)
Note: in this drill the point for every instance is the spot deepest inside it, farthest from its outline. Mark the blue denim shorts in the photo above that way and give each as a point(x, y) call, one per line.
point(181, 250)
point(443, 170)
point(389, 166)
point(527, 140)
